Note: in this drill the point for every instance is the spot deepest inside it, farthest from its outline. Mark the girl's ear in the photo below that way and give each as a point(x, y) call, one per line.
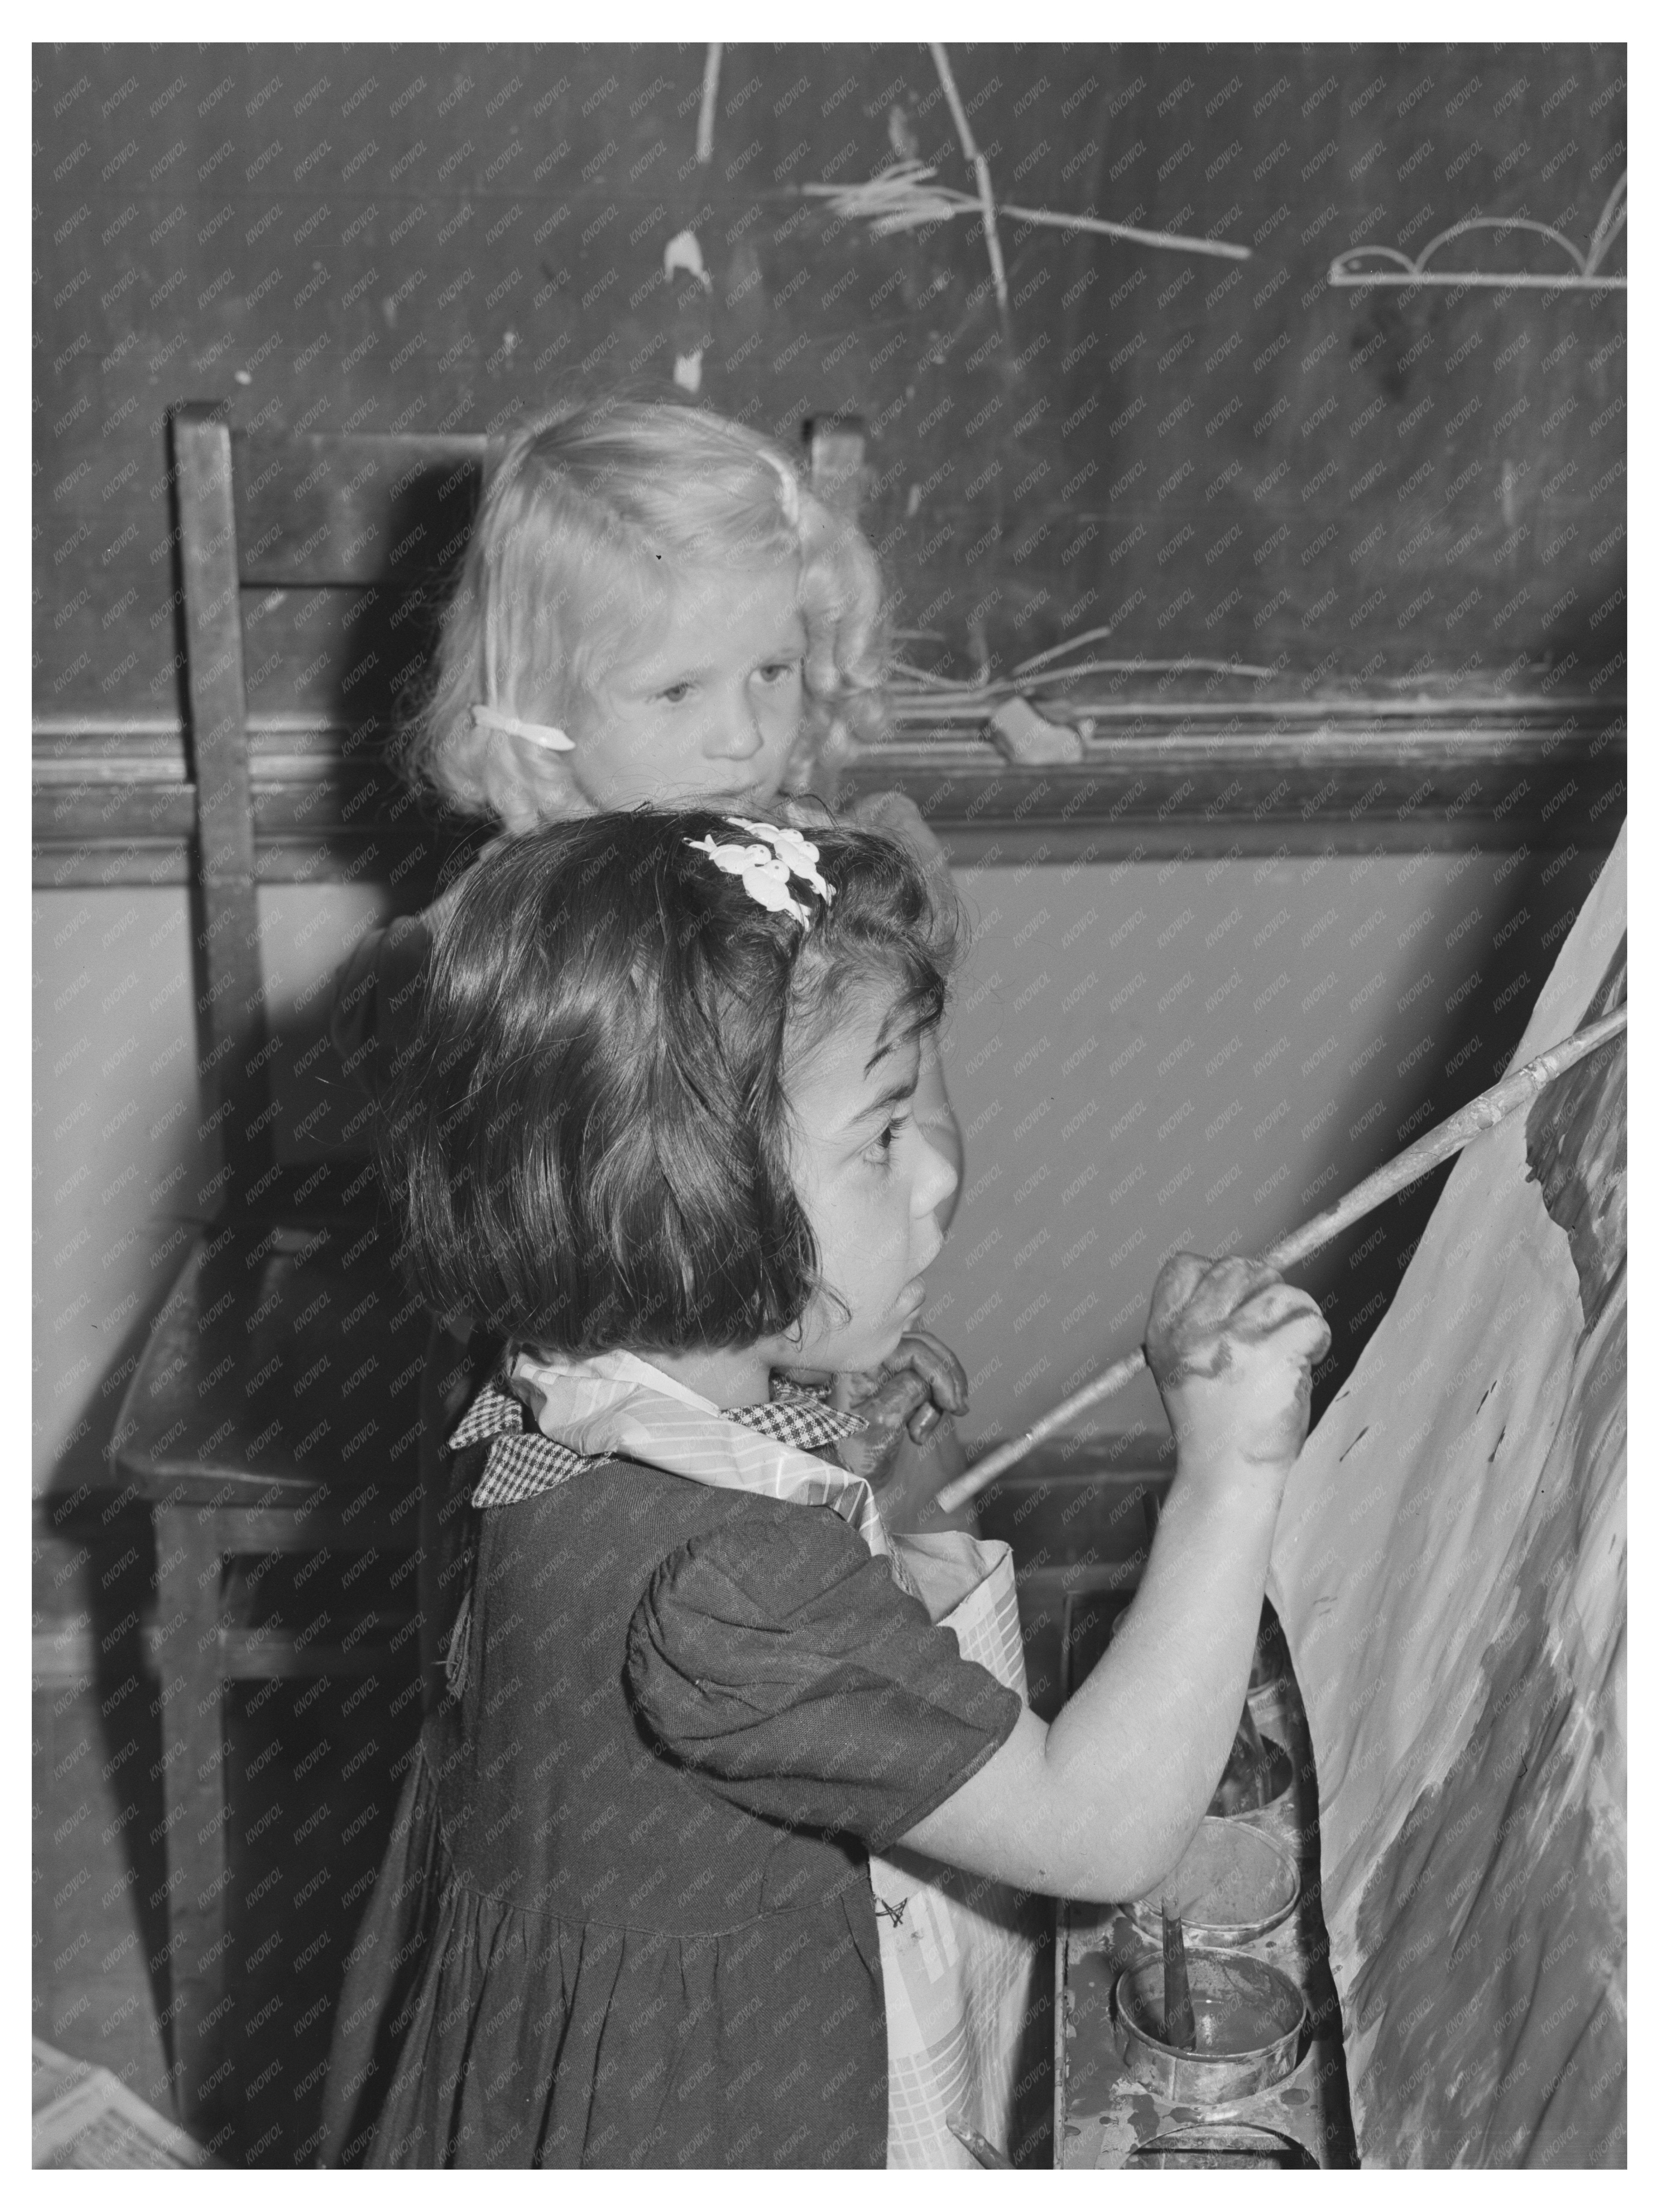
point(527, 783)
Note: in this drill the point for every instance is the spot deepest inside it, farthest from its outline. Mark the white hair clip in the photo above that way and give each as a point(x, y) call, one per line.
point(789, 487)
point(765, 873)
point(539, 733)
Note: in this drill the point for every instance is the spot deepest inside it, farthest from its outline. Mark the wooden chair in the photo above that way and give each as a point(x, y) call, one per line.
point(276, 1409)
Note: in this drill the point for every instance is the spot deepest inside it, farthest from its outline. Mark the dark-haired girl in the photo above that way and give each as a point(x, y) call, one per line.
point(721, 1785)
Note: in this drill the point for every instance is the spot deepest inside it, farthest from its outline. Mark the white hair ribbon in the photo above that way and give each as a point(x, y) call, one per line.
point(765, 875)
point(789, 487)
point(539, 733)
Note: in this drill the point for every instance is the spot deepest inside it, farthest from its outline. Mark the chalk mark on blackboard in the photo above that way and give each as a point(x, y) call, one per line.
point(982, 169)
point(1386, 266)
point(711, 85)
point(905, 196)
point(1071, 645)
point(957, 698)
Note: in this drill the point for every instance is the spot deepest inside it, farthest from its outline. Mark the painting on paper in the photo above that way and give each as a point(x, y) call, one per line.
point(1451, 1571)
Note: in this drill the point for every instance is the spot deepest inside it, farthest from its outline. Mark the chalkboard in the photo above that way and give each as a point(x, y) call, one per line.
point(1356, 491)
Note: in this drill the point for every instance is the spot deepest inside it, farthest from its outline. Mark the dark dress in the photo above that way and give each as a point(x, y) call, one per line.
point(625, 1918)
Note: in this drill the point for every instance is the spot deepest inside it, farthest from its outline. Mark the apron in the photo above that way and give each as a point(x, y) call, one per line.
point(958, 1952)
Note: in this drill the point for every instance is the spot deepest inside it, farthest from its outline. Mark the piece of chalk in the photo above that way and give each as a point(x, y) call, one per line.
point(1023, 736)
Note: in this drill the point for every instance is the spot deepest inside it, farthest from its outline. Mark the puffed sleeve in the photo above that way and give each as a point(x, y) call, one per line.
point(779, 1660)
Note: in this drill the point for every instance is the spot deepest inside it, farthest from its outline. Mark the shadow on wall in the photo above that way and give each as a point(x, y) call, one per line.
point(123, 1170)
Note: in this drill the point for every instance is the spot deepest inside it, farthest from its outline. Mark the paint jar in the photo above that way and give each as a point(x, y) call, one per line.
point(1249, 2019)
point(1252, 1788)
point(1231, 1884)
point(1270, 1674)
point(1224, 2145)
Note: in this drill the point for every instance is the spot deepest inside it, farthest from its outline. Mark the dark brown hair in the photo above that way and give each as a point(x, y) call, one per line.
point(588, 1136)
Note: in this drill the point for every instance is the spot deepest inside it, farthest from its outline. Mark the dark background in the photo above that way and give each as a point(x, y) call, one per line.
point(1235, 460)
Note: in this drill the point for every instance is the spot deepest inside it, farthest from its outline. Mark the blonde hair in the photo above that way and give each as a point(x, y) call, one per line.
point(585, 514)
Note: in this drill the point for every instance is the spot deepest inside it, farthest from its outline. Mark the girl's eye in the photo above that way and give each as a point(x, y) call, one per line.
point(881, 1152)
point(778, 671)
point(675, 693)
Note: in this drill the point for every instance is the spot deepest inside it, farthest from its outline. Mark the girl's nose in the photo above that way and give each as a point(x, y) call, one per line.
point(734, 731)
point(935, 1180)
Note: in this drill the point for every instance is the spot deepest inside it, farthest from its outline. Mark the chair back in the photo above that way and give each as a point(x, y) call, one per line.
point(366, 517)
point(276, 530)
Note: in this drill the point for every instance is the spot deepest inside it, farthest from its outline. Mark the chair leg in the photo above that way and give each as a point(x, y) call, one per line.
point(194, 1759)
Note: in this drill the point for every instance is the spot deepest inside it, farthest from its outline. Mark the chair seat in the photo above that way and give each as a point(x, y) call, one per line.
point(283, 1378)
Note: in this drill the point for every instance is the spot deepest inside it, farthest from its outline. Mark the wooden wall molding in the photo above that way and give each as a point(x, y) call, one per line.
point(113, 802)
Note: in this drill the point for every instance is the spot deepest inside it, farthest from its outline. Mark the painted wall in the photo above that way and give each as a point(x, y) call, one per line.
point(1182, 1057)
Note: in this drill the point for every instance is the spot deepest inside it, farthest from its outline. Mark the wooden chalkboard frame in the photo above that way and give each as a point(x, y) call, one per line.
point(115, 804)
point(1190, 767)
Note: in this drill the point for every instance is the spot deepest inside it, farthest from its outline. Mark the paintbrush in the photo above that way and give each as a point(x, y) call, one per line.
point(981, 2152)
point(1180, 2029)
point(1442, 1143)
point(1243, 1784)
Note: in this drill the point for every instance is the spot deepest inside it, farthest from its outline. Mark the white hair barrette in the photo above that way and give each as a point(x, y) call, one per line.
point(539, 733)
point(789, 487)
point(765, 870)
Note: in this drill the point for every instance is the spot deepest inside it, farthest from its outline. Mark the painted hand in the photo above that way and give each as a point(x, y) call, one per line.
point(923, 1380)
point(1232, 1347)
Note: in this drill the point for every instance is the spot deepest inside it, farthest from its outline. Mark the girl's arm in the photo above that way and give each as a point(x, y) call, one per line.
point(1100, 1805)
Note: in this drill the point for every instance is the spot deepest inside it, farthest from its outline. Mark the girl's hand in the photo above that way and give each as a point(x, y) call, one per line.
point(1232, 1347)
point(923, 1380)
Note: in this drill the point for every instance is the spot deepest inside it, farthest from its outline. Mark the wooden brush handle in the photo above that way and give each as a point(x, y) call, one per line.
point(1180, 2028)
point(1442, 1142)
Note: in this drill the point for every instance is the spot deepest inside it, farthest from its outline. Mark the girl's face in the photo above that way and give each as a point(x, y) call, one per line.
point(870, 1182)
point(706, 710)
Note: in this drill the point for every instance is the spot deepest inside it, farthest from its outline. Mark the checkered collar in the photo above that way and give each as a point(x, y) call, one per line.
point(523, 1462)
